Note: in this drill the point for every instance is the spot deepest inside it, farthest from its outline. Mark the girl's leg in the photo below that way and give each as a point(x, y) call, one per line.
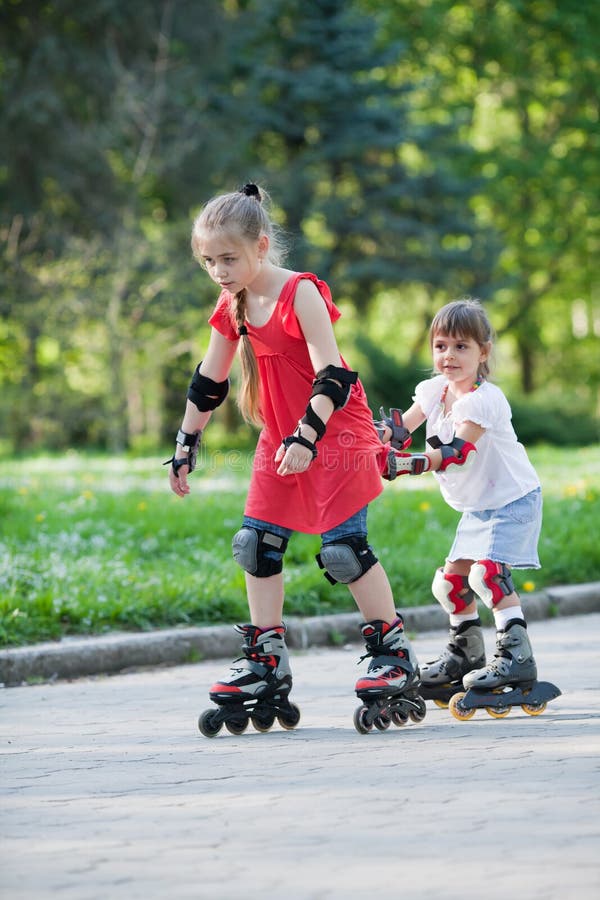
point(508, 608)
point(264, 669)
point(513, 662)
point(373, 595)
point(265, 599)
point(265, 591)
point(383, 629)
point(372, 591)
point(465, 649)
point(504, 606)
point(462, 567)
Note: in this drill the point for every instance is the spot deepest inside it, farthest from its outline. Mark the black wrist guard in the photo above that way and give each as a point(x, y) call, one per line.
point(189, 443)
point(298, 439)
point(326, 383)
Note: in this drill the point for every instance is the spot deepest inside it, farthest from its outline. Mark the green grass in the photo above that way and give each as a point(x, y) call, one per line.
point(92, 544)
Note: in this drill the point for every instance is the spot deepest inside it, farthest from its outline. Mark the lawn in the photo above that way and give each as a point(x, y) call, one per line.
point(90, 544)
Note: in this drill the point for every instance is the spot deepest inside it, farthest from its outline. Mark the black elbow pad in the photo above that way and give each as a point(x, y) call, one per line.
point(326, 383)
point(205, 393)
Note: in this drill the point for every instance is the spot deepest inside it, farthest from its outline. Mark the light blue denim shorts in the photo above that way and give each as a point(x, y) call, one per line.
point(356, 524)
point(509, 535)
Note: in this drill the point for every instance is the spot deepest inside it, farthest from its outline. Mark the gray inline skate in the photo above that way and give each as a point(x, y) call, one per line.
point(509, 680)
point(390, 689)
point(257, 688)
point(443, 677)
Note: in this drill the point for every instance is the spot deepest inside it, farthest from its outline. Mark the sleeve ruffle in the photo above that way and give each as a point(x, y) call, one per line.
point(289, 320)
point(476, 408)
point(222, 319)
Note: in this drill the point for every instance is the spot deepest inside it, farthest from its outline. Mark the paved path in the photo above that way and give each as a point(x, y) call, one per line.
point(109, 791)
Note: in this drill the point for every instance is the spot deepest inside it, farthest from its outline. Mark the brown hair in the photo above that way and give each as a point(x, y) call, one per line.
point(465, 318)
point(244, 216)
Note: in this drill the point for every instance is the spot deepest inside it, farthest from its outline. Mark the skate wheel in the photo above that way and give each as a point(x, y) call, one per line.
point(417, 715)
point(290, 718)
point(534, 709)
point(207, 725)
point(360, 721)
point(458, 711)
point(236, 727)
point(382, 722)
point(399, 718)
point(441, 703)
point(263, 723)
point(498, 712)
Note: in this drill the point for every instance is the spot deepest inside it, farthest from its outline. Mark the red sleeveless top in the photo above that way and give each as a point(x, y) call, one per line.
point(345, 476)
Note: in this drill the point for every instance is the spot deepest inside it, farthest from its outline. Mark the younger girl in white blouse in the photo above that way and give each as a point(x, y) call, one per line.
point(484, 473)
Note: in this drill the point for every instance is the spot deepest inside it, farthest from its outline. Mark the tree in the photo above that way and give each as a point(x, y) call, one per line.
point(369, 195)
point(523, 77)
point(102, 102)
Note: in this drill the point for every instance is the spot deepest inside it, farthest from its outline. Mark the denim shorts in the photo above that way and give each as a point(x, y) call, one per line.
point(509, 535)
point(356, 524)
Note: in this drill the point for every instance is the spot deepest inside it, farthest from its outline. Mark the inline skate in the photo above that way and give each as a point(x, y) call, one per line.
point(443, 677)
point(390, 689)
point(509, 680)
point(257, 688)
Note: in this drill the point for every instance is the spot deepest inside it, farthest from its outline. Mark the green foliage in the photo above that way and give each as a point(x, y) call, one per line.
point(89, 544)
point(562, 424)
point(388, 382)
point(369, 195)
point(415, 151)
point(524, 76)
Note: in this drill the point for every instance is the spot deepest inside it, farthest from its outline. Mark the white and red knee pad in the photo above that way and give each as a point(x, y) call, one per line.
point(447, 587)
point(489, 580)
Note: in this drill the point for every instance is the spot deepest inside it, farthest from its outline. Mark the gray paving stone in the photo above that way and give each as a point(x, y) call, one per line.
point(109, 790)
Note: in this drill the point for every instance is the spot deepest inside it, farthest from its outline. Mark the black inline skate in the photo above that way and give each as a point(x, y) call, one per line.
point(443, 677)
point(257, 687)
point(509, 680)
point(390, 689)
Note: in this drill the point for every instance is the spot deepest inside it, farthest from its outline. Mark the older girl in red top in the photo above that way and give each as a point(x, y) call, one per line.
point(296, 387)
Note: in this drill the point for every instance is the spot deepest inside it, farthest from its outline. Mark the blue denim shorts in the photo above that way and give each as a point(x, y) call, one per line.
point(356, 524)
point(509, 535)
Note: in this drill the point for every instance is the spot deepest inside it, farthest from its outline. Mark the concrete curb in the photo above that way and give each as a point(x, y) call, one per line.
point(79, 657)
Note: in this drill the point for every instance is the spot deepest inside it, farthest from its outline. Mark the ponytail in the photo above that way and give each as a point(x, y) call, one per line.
point(248, 395)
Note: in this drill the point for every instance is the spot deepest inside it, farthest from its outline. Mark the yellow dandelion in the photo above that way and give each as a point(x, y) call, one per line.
point(87, 495)
point(529, 586)
point(40, 517)
point(424, 506)
point(142, 505)
point(23, 491)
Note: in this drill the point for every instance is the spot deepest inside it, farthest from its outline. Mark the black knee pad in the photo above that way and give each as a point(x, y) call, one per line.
point(259, 552)
point(347, 559)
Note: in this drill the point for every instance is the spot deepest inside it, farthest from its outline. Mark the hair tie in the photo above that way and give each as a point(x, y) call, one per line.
point(242, 330)
point(250, 190)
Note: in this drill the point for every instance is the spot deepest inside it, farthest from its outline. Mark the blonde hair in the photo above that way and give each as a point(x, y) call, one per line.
point(243, 215)
point(465, 318)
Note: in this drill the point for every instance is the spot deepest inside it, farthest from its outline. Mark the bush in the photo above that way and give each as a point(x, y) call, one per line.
point(537, 422)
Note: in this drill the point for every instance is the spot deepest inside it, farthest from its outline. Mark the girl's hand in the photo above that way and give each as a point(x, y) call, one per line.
point(295, 460)
point(178, 482)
